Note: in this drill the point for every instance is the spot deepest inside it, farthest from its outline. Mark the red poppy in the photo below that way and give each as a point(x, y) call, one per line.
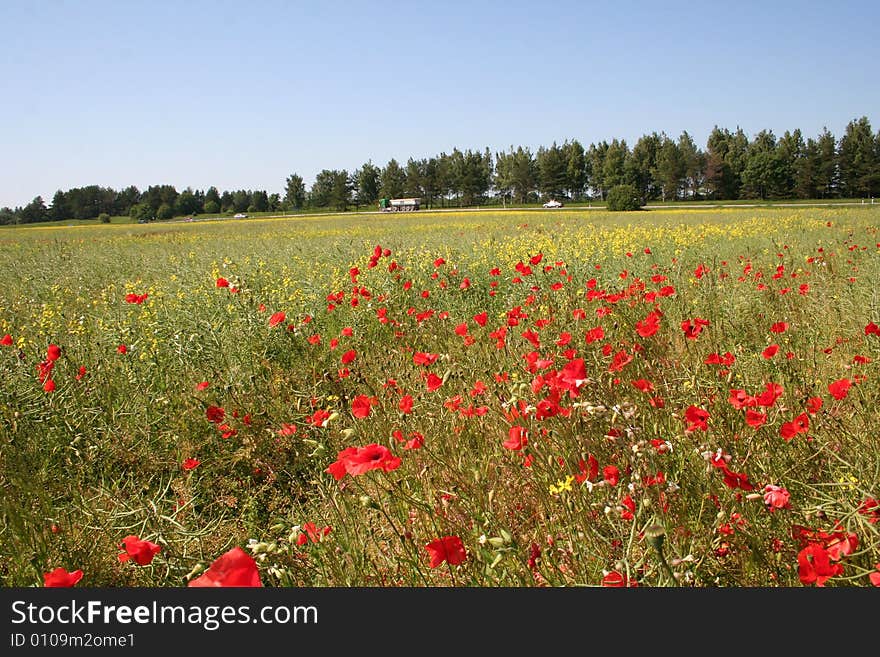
point(517, 438)
point(779, 327)
point(776, 497)
point(433, 382)
point(611, 474)
point(872, 329)
point(81, 373)
point(421, 358)
point(875, 576)
point(813, 405)
point(49, 385)
point(222, 282)
point(311, 532)
point(139, 551)
point(649, 325)
point(449, 549)
point(839, 389)
point(770, 351)
point(772, 392)
point(6, 340)
point(406, 404)
point(621, 359)
point(360, 406)
point(693, 328)
point(53, 352)
point(201, 386)
point(122, 349)
point(696, 419)
point(755, 419)
point(190, 464)
point(136, 298)
point(801, 424)
point(358, 460)
point(815, 567)
point(481, 318)
point(215, 414)
point(234, 568)
point(349, 356)
point(615, 580)
point(277, 318)
point(60, 578)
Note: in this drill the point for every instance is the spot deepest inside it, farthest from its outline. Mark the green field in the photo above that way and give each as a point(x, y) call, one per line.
point(586, 431)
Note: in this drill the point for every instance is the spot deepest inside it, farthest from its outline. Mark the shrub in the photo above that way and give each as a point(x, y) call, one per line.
point(165, 211)
point(104, 218)
point(623, 198)
point(212, 207)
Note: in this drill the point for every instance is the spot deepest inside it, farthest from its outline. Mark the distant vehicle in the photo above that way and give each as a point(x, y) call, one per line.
point(240, 215)
point(553, 203)
point(399, 204)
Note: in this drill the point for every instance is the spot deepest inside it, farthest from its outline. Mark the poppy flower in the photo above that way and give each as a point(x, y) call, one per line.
point(779, 327)
point(348, 356)
point(755, 419)
point(190, 464)
point(311, 532)
point(449, 549)
point(358, 460)
point(611, 474)
point(776, 497)
point(422, 358)
point(433, 382)
point(201, 386)
point(276, 318)
point(49, 385)
point(615, 579)
point(233, 568)
point(517, 438)
point(770, 351)
point(136, 298)
point(696, 419)
point(60, 578)
point(875, 576)
point(222, 282)
point(815, 567)
point(872, 329)
point(139, 551)
point(122, 349)
point(839, 389)
point(360, 406)
point(215, 414)
point(481, 318)
point(53, 352)
point(813, 405)
point(6, 340)
point(801, 424)
point(406, 404)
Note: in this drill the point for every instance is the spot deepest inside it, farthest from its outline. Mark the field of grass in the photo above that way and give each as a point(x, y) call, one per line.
point(665, 398)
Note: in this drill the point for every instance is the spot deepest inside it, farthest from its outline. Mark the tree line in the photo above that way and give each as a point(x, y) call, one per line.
point(661, 168)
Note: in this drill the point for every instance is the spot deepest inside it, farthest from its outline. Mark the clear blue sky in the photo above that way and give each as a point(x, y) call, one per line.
point(241, 94)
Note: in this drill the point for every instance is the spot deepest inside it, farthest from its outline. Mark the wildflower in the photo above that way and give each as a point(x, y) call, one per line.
point(122, 349)
point(60, 578)
point(276, 318)
point(190, 464)
point(358, 460)
point(839, 389)
point(139, 551)
point(222, 282)
point(449, 549)
point(776, 497)
point(6, 340)
point(696, 419)
point(233, 568)
point(517, 438)
point(360, 406)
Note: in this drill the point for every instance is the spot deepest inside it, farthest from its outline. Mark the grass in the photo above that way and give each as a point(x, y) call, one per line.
point(548, 474)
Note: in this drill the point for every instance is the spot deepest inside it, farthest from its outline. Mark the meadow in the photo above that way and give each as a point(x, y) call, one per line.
point(561, 398)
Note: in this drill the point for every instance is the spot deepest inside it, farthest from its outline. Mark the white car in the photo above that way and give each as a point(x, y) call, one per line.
point(553, 204)
point(241, 215)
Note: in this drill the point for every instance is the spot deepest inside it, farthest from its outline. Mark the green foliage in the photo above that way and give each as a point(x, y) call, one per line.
point(104, 218)
point(212, 207)
point(624, 198)
point(165, 211)
point(142, 213)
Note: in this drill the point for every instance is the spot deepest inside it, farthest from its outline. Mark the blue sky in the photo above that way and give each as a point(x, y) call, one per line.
point(240, 95)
